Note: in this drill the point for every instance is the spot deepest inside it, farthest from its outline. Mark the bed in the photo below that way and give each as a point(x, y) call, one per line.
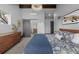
point(39, 44)
point(66, 45)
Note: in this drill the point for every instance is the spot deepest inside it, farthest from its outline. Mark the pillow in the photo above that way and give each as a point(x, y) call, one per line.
point(64, 34)
point(69, 36)
point(58, 36)
point(76, 38)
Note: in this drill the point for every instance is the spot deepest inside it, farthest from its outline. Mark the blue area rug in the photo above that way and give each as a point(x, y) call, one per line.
point(38, 45)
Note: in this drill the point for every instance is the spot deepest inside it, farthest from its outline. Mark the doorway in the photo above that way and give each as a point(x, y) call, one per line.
point(37, 27)
point(52, 27)
point(26, 28)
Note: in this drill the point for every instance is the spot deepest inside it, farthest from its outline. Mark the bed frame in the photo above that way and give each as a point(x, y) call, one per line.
point(70, 30)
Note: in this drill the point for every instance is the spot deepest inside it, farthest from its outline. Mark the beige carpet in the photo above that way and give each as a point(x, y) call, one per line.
point(19, 48)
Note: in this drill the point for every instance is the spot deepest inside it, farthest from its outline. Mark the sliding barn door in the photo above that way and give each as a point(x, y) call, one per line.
point(26, 28)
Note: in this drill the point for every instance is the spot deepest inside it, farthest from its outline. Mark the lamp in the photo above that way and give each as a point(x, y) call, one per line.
point(37, 7)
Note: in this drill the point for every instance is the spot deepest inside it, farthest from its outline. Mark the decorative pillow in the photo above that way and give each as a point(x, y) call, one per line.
point(58, 36)
point(69, 36)
point(76, 38)
point(64, 35)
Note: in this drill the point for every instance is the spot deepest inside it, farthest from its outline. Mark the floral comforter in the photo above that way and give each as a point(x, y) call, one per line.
point(63, 46)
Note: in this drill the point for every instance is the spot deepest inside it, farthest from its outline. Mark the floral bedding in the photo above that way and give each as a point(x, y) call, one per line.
point(63, 45)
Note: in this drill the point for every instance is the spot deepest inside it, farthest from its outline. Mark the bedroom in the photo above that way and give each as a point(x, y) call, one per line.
point(40, 23)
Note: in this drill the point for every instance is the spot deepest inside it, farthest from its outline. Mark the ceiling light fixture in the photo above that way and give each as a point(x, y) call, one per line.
point(37, 7)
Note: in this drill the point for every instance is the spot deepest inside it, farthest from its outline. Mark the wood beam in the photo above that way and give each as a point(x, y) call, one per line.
point(44, 5)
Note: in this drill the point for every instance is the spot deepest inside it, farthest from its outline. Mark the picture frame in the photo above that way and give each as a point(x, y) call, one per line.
point(72, 17)
point(5, 18)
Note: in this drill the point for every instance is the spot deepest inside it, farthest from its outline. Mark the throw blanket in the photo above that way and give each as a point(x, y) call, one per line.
point(38, 45)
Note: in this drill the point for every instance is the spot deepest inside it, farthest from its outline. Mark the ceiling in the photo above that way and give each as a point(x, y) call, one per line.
point(43, 5)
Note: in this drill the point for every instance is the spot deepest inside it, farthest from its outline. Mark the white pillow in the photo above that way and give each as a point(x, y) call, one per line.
point(58, 36)
point(76, 38)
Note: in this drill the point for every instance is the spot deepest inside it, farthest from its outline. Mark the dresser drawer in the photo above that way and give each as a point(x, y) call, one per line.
point(8, 41)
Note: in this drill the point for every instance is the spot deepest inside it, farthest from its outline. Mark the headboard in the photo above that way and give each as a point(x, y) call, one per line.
point(70, 30)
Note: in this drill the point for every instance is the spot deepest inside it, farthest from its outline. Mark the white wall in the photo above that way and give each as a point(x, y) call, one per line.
point(47, 25)
point(34, 24)
point(5, 28)
point(61, 10)
point(40, 28)
point(40, 17)
point(39, 25)
point(20, 14)
point(26, 14)
point(15, 15)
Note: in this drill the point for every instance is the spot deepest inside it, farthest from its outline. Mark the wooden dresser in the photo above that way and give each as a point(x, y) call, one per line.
point(7, 41)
